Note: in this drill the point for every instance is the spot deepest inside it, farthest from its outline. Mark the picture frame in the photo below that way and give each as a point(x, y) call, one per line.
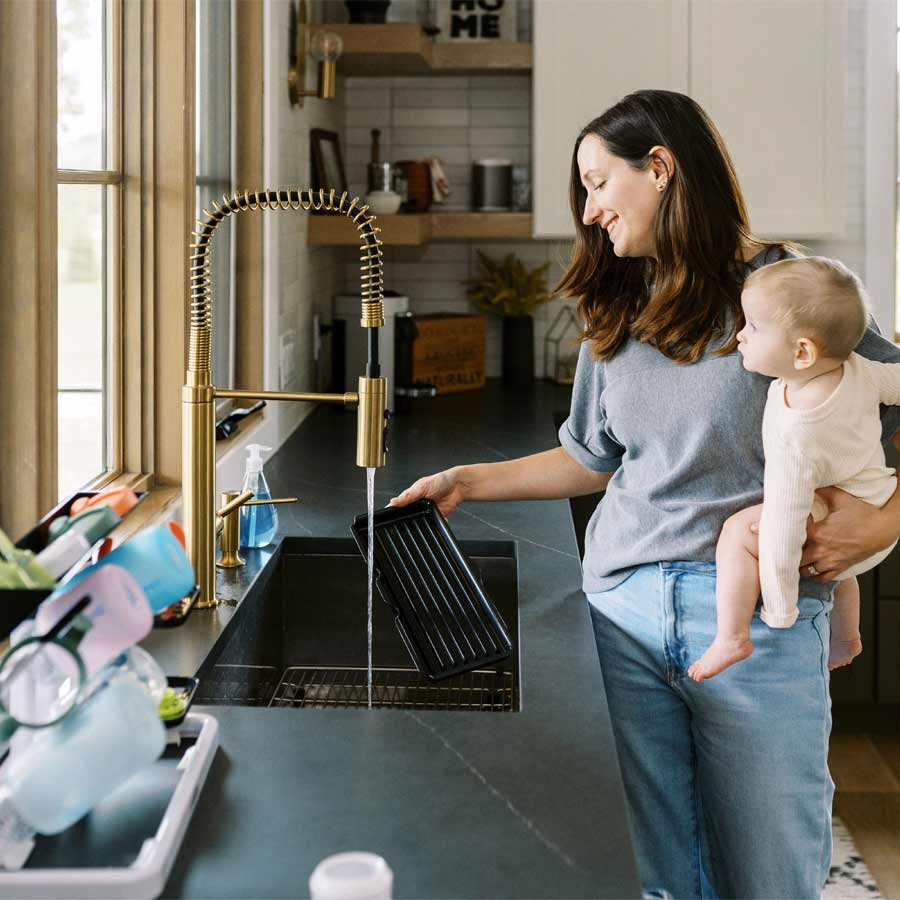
point(327, 163)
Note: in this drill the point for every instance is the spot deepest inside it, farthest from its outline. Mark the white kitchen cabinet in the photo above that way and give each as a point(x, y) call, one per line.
point(771, 74)
point(587, 55)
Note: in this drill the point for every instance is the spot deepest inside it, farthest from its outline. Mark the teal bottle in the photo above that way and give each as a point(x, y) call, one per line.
point(258, 523)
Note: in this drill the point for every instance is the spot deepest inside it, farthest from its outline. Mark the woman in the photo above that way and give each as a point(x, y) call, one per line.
point(665, 419)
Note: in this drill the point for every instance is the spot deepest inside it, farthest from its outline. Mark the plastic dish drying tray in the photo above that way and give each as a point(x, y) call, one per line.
point(146, 877)
point(446, 620)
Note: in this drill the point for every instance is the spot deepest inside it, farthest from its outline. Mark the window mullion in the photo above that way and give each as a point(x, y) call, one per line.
point(100, 176)
point(136, 344)
point(116, 356)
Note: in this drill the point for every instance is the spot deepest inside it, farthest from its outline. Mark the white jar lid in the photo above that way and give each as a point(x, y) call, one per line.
point(493, 162)
point(352, 876)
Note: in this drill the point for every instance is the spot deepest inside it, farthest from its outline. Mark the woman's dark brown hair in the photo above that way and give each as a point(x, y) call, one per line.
point(679, 301)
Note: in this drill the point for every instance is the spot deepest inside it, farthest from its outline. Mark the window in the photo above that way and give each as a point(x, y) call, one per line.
point(89, 204)
point(214, 99)
point(98, 113)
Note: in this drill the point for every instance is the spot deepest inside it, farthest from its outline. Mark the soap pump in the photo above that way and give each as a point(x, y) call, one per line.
point(258, 522)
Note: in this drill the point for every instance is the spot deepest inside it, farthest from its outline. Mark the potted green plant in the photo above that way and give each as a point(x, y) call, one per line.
point(508, 288)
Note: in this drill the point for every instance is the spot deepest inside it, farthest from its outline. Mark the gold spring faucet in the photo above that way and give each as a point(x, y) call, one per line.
point(199, 395)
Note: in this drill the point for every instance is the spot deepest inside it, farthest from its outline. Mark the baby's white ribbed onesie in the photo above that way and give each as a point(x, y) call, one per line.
point(836, 443)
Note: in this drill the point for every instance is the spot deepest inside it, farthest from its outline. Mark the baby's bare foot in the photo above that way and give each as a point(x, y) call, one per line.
point(841, 653)
point(722, 653)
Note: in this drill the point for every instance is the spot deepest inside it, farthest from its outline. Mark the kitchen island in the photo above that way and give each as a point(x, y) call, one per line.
point(461, 804)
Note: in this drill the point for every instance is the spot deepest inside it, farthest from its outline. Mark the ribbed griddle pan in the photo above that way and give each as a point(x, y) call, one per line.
point(448, 623)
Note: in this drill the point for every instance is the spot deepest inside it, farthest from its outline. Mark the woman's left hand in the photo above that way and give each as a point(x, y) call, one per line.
point(852, 531)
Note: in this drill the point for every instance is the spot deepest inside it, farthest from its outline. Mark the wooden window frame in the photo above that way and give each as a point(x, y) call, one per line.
point(156, 270)
point(157, 158)
point(28, 431)
point(157, 168)
point(113, 177)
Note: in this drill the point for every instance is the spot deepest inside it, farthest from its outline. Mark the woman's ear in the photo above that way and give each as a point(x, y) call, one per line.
point(662, 162)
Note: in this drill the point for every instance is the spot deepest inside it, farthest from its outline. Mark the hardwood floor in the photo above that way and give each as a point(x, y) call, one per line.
point(866, 773)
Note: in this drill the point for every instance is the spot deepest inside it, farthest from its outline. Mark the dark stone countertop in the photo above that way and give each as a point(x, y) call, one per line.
point(460, 804)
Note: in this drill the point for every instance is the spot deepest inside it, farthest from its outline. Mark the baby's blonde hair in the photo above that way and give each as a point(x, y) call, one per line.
point(818, 298)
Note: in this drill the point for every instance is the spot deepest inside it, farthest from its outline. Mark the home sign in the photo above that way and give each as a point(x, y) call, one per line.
point(476, 20)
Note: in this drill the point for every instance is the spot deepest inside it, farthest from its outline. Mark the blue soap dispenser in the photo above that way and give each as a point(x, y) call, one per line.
point(258, 523)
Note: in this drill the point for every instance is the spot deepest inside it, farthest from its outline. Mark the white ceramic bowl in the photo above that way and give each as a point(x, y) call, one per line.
point(383, 203)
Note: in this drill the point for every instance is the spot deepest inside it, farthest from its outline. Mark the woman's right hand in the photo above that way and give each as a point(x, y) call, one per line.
point(446, 489)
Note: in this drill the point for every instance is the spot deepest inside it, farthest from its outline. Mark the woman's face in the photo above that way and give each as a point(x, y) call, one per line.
point(620, 200)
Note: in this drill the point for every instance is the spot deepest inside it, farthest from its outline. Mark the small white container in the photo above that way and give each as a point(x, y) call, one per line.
point(383, 203)
point(351, 876)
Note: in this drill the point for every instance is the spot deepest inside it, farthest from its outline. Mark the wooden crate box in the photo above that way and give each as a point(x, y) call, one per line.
point(449, 351)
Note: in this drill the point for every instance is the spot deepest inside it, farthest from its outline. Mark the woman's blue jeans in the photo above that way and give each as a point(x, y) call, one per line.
point(727, 780)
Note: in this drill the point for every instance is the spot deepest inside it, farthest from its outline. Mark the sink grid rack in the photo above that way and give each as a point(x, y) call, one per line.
point(320, 687)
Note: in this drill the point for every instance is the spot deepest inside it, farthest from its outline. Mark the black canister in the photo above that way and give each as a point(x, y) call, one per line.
point(367, 12)
point(492, 185)
point(408, 396)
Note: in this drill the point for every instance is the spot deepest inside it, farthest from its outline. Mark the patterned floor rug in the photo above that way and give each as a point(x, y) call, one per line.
point(850, 879)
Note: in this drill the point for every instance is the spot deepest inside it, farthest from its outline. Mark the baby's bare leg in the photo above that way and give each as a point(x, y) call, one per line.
point(737, 588)
point(845, 638)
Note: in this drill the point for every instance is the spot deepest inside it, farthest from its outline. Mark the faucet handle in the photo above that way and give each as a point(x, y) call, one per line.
point(228, 523)
point(230, 501)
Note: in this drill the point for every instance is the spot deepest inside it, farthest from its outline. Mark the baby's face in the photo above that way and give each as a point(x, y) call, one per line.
point(762, 342)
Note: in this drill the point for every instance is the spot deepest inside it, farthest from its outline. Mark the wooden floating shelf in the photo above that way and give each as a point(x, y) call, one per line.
point(414, 229)
point(404, 49)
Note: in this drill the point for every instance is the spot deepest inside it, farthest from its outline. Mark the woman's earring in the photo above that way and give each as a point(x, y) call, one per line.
point(661, 185)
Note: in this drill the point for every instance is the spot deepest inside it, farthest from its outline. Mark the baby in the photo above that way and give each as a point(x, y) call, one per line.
point(820, 427)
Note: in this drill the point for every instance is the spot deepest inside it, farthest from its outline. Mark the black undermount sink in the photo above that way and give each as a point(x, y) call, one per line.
point(300, 637)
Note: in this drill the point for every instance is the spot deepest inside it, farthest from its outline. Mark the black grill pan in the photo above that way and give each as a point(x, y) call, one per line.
point(448, 623)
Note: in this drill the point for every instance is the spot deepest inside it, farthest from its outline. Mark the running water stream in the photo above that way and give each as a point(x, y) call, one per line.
point(370, 497)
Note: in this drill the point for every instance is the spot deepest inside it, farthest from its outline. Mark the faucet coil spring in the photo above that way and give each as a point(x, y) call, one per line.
point(371, 278)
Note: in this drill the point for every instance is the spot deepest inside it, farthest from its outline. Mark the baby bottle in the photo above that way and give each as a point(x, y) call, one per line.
point(156, 561)
point(258, 523)
point(71, 766)
point(38, 682)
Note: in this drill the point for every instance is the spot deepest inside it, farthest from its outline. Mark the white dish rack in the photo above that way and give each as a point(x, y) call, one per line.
point(146, 877)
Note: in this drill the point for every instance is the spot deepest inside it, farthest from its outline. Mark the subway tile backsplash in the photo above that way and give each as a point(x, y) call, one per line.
point(459, 120)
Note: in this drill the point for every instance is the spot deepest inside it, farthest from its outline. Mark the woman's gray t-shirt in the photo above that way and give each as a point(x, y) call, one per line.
point(685, 444)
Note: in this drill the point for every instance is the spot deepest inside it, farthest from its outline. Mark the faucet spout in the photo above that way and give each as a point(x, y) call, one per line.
point(370, 423)
point(199, 394)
